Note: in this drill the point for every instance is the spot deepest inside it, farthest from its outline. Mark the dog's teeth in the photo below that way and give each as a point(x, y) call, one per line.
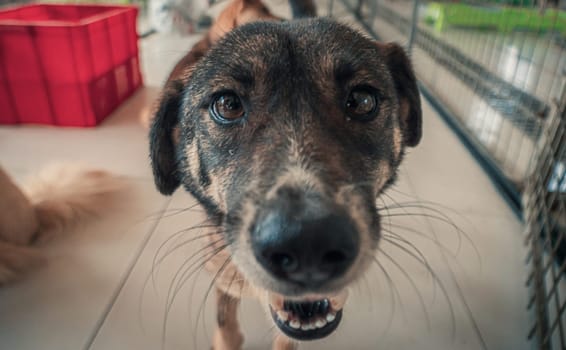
point(305, 327)
point(323, 307)
point(283, 316)
point(330, 317)
point(295, 324)
point(320, 323)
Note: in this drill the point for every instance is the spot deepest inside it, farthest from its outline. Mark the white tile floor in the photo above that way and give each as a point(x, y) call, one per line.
point(95, 292)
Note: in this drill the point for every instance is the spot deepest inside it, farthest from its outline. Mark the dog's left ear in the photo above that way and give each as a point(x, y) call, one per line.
point(406, 85)
point(164, 131)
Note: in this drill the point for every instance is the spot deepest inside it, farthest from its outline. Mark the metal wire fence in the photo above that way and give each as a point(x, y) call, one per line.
point(545, 212)
point(496, 68)
point(497, 72)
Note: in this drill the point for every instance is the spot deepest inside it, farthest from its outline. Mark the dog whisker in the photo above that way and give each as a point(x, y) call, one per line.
point(180, 278)
point(393, 292)
point(424, 236)
point(188, 272)
point(187, 266)
point(177, 211)
point(395, 188)
point(413, 285)
point(428, 206)
point(446, 219)
point(461, 233)
point(423, 202)
point(158, 261)
point(458, 288)
point(367, 290)
point(203, 303)
point(392, 225)
point(391, 235)
point(151, 274)
point(393, 239)
point(175, 237)
point(436, 282)
point(438, 218)
point(161, 213)
point(437, 242)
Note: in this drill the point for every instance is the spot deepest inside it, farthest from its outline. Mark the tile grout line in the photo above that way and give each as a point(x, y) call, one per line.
point(98, 326)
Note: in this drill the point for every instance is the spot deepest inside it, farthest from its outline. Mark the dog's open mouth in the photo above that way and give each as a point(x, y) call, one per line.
point(307, 319)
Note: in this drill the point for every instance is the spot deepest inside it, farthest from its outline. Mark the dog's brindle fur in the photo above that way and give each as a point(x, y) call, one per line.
point(293, 79)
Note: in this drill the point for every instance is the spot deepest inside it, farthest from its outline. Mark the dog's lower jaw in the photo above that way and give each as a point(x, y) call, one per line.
point(310, 317)
point(228, 336)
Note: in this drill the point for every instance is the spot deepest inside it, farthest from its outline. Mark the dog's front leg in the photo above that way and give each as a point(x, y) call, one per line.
point(227, 336)
point(281, 342)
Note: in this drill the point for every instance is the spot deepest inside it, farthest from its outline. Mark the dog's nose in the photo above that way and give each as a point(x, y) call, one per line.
point(304, 242)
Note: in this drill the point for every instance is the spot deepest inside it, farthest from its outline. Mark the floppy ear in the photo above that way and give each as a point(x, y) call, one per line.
point(409, 99)
point(161, 139)
point(162, 136)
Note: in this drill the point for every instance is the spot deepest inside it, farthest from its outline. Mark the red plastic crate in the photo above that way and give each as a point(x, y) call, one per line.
point(66, 65)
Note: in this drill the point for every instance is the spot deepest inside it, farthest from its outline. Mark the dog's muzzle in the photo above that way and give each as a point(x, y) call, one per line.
point(307, 245)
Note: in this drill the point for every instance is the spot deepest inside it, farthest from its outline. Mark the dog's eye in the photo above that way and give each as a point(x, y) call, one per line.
point(362, 104)
point(227, 108)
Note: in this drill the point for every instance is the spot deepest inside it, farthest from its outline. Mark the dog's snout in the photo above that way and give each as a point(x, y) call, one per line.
point(303, 241)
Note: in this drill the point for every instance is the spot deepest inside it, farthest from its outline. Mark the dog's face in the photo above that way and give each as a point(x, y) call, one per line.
point(287, 133)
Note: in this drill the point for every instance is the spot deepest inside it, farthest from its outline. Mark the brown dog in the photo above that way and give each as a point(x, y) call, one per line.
point(286, 132)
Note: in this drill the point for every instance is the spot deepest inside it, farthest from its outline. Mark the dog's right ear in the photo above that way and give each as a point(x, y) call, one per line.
point(162, 141)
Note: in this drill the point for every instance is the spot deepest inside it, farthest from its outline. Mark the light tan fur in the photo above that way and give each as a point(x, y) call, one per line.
point(18, 220)
point(52, 204)
point(237, 13)
point(227, 336)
